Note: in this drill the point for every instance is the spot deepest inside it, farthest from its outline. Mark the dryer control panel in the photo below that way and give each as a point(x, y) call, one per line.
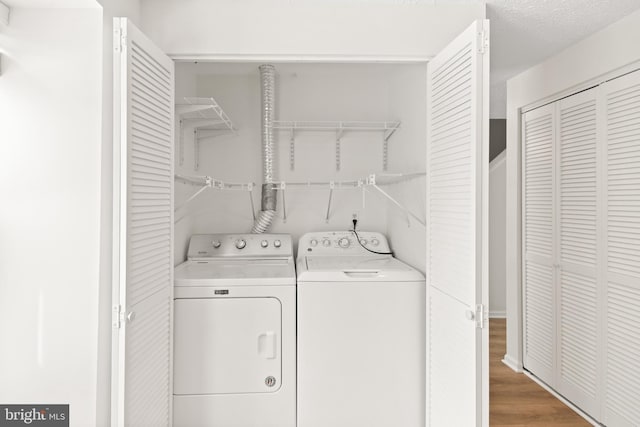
point(342, 243)
point(240, 245)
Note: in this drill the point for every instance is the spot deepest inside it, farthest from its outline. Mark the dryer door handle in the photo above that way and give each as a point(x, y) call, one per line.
point(267, 345)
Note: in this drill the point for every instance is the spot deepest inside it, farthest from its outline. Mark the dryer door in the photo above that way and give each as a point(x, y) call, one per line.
point(227, 345)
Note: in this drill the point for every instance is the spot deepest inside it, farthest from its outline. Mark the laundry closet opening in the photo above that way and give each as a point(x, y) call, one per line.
point(349, 140)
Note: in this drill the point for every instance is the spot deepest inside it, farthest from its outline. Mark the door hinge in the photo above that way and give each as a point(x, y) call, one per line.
point(117, 316)
point(480, 316)
point(119, 40)
point(483, 41)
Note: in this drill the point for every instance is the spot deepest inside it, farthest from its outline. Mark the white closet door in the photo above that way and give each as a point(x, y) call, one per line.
point(143, 230)
point(457, 190)
point(539, 135)
point(622, 111)
point(577, 303)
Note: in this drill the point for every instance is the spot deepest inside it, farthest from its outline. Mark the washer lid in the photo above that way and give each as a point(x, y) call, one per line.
point(383, 268)
point(235, 272)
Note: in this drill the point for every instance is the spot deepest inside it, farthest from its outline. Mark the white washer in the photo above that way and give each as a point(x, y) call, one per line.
point(361, 334)
point(234, 332)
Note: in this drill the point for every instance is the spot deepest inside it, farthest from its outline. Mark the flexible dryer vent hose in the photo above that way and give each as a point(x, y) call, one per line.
point(268, 205)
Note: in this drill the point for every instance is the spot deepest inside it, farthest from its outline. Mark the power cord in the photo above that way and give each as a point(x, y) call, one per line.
point(355, 222)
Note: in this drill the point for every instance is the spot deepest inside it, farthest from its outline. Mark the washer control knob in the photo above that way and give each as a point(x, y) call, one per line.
point(313, 243)
point(375, 242)
point(326, 242)
point(216, 244)
point(344, 242)
point(241, 243)
point(264, 243)
point(363, 242)
point(277, 243)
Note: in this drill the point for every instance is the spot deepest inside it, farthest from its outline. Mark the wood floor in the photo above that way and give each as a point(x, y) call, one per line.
point(516, 400)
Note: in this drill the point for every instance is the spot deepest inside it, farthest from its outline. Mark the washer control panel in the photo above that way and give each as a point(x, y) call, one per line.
point(342, 242)
point(241, 245)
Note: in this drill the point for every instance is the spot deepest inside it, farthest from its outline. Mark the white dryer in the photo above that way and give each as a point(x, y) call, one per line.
point(234, 332)
point(361, 334)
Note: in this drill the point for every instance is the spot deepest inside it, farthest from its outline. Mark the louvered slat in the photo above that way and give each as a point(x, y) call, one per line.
point(578, 205)
point(146, 296)
point(623, 163)
point(149, 275)
point(538, 219)
point(450, 155)
point(538, 184)
point(147, 376)
point(623, 348)
point(578, 349)
point(539, 324)
point(622, 104)
point(456, 227)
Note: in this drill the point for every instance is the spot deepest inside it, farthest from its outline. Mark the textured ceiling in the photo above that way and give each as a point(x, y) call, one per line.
point(525, 32)
point(53, 4)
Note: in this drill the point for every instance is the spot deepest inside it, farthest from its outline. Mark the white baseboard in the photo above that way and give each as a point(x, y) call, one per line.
point(573, 407)
point(512, 363)
point(497, 314)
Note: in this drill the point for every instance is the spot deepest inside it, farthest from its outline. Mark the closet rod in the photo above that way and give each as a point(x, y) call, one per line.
point(211, 182)
point(382, 179)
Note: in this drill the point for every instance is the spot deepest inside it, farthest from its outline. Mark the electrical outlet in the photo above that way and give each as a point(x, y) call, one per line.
point(355, 216)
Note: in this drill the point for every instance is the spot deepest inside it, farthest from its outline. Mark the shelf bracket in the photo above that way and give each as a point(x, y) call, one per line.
point(385, 155)
point(385, 144)
point(193, 196)
point(181, 142)
point(390, 131)
point(283, 186)
point(397, 204)
point(339, 133)
point(196, 149)
point(253, 208)
point(292, 150)
point(332, 185)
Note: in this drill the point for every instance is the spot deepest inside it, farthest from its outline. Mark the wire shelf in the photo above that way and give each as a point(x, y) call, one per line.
point(206, 118)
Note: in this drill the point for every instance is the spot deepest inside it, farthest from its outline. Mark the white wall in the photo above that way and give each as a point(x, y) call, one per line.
point(579, 66)
point(288, 28)
point(50, 104)
point(304, 92)
point(497, 235)
point(185, 86)
point(407, 154)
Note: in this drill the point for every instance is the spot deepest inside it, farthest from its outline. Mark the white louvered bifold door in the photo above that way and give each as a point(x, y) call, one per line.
point(577, 301)
point(622, 330)
point(457, 273)
point(143, 230)
point(539, 130)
